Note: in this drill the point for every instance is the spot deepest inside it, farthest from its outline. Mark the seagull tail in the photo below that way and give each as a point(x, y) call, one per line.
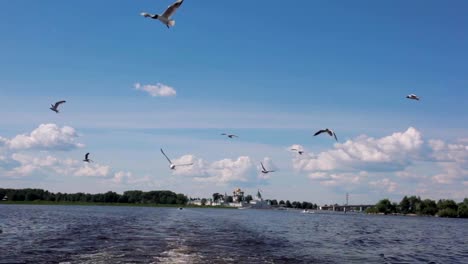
point(171, 23)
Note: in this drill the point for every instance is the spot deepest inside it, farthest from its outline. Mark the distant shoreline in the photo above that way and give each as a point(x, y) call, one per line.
point(108, 204)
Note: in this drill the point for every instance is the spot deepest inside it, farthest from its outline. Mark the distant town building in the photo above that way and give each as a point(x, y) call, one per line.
point(238, 200)
point(259, 203)
point(238, 195)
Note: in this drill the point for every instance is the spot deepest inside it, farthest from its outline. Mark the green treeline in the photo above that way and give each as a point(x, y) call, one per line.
point(132, 197)
point(414, 205)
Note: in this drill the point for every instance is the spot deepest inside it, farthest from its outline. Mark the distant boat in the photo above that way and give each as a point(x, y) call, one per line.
point(5, 198)
point(306, 211)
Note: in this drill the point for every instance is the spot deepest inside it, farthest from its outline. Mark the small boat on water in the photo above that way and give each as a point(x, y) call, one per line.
point(306, 211)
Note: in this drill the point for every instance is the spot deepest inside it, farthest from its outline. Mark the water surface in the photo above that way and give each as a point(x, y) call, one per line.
point(99, 234)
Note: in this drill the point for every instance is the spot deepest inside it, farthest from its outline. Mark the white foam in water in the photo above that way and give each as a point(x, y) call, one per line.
point(179, 253)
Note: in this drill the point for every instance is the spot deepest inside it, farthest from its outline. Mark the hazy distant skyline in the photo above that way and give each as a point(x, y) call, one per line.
point(132, 86)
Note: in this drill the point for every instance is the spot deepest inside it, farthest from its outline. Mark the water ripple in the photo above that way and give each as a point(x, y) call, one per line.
point(76, 234)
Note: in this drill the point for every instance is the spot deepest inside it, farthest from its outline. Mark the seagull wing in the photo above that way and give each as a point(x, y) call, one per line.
point(166, 156)
point(172, 8)
point(263, 167)
point(186, 164)
point(319, 132)
point(334, 134)
point(86, 156)
point(59, 103)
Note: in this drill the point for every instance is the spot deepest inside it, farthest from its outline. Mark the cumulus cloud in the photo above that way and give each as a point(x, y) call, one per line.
point(229, 170)
point(295, 146)
point(269, 165)
point(381, 162)
point(93, 170)
point(158, 89)
point(45, 137)
point(23, 165)
point(452, 158)
point(386, 184)
point(225, 171)
point(3, 141)
point(391, 153)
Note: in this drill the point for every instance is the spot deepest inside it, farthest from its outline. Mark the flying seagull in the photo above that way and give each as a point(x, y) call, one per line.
point(165, 18)
point(86, 159)
point(229, 135)
point(413, 97)
point(172, 165)
point(329, 131)
point(300, 152)
point(265, 171)
point(54, 107)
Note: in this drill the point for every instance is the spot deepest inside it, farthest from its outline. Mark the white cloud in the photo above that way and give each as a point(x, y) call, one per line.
point(198, 168)
point(225, 171)
point(295, 146)
point(386, 184)
point(388, 162)
point(29, 165)
point(452, 158)
point(391, 153)
point(47, 137)
point(126, 179)
point(158, 89)
point(269, 165)
point(228, 170)
point(93, 170)
point(3, 141)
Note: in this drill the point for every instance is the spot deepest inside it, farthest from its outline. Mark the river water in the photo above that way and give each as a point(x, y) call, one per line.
point(95, 234)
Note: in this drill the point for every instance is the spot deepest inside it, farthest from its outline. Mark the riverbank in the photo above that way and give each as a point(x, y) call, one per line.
point(108, 204)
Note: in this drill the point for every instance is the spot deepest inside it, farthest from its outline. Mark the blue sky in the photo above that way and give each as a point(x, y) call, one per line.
point(269, 71)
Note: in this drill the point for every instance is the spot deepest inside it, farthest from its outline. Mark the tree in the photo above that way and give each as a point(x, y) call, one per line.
point(447, 212)
point(463, 209)
point(413, 204)
point(274, 202)
point(447, 204)
point(427, 207)
point(181, 199)
point(248, 198)
point(229, 199)
point(216, 197)
point(447, 208)
point(203, 202)
point(288, 204)
point(404, 205)
point(385, 206)
point(282, 202)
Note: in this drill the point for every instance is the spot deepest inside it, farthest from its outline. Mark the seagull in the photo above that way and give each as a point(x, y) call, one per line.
point(329, 131)
point(229, 135)
point(165, 18)
point(413, 97)
point(86, 159)
point(298, 151)
point(171, 165)
point(54, 107)
point(265, 171)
